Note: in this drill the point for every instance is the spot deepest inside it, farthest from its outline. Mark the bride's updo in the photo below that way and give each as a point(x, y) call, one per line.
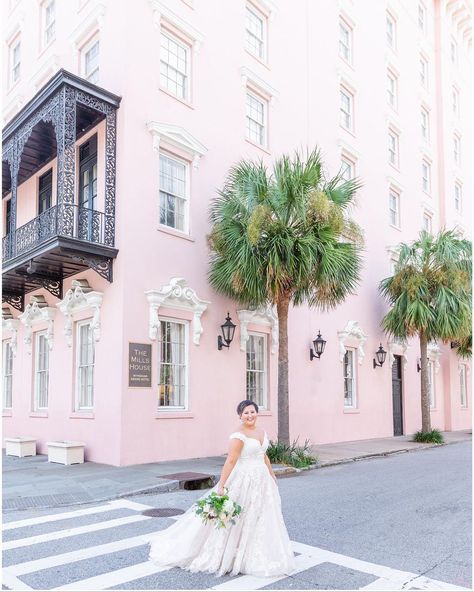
point(243, 404)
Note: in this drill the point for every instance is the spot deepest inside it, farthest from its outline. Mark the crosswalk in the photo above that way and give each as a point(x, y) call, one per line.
point(104, 547)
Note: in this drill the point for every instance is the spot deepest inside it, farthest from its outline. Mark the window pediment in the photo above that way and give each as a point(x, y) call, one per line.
point(38, 311)
point(264, 315)
point(78, 298)
point(352, 334)
point(176, 136)
point(10, 324)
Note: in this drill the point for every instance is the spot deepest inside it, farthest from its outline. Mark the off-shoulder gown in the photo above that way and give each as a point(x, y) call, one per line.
point(258, 544)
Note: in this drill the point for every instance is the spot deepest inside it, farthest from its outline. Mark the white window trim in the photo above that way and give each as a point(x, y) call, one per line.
point(392, 75)
point(423, 28)
point(37, 311)
point(346, 89)
point(44, 6)
point(83, 51)
point(350, 28)
point(178, 137)
point(176, 295)
point(36, 407)
point(5, 345)
point(463, 369)
point(265, 366)
point(265, 104)
point(172, 408)
point(392, 133)
point(260, 14)
point(425, 111)
point(426, 82)
point(428, 169)
point(10, 324)
point(12, 43)
point(397, 193)
point(81, 297)
point(458, 184)
point(432, 383)
point(187, 192)
point(351, 161)
point(457, 154)
point(264, 315)
point(355, 394)
point(77, 407)
point(455, 93)
point(352, 333)
point(163, 16)
point(428, 216)
point(393, 19)
point(89, 28)
point(187, 98)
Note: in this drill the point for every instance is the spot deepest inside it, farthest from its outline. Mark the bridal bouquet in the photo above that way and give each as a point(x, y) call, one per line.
point(218, 508)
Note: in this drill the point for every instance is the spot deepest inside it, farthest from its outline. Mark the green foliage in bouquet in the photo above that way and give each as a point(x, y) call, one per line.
point(291, 454)
point(218, 508)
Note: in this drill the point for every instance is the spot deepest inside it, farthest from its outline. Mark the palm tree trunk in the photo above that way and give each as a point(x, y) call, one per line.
point(425, 397)
point(283, 306)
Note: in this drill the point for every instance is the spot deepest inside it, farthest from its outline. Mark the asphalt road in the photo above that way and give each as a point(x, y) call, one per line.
point(400, 522)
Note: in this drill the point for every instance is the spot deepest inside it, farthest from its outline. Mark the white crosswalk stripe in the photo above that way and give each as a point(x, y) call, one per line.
point(386, 578)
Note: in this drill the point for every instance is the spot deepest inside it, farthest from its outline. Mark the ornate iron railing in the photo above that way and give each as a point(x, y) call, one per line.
point(62, 220)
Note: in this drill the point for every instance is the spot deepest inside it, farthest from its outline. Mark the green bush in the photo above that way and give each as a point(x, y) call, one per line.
point(291, 454)
point(433, 437)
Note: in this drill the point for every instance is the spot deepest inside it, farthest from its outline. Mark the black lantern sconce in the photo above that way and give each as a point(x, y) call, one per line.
point(228, 330)
point(380, 354)
point(319, 344)
point(418, 364)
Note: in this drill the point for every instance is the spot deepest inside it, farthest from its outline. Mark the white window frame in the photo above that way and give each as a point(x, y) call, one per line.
point(352, 379)
point(458, 197)
point(426, 180)
point(263, 372)
point(432, 384)
point(457, 149)
point(14, 67)
point(463, 385)
point(48, 26)
point(256, 13)
point(428, 222)
point(422, 17)
point(346, 115)
point(391, 31)
point(393, 148)
point(7, 370)
point(77, 400)
point(425, 124)
point(185, 198)
point(345, 49)
point(264, 126)
point(455, 99)
point(187, 48)
point(93, 75)
point(394, 214)
point(37, 381)
point(185, 406)
point(347, 165)
point(453, 52)
point(424, 76)
point(392, 89)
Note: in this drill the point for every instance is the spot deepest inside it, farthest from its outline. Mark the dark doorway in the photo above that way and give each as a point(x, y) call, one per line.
point(397, 396)
point(88, 189)
point(45, 191)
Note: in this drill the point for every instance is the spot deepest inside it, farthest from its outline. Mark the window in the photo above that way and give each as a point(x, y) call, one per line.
point(87, 221)
point(349, 369)
point(45, 191)
point(256, 119)
point(49, 22)
point(173, 193)
point(257, 369)
point(425, 124)
point(463, 385)
point(422, 17)
point(431, 383)
point(424, 71)
point(85, 361)
point(393, 148)
point(455, 102)
point(172, 347)
point(90, 61)
point(8, 217)
point(427, 222)
point(394, 208)
point(426, 176)
point(346, 108)
point(454, 52)
point(458, 197)
point(345, 41)
point(392, 84)
point(15, 61)
point(41, 381)
point(174, 66)
point(347, 171)
point(391, 29)
point(7, 374)
point(457, 149)
point(255, 33)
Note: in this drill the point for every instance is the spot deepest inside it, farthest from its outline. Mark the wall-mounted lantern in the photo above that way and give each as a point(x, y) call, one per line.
point(319, 344)
point(380, 354)
point(228, 330)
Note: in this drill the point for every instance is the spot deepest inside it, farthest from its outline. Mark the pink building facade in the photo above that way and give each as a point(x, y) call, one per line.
point(121, 122)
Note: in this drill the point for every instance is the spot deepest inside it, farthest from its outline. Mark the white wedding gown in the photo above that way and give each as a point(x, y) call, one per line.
point(258, 544)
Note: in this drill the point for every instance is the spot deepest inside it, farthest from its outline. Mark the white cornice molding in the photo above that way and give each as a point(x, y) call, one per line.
point(93, 22)
point(160, 11)
point(264, 315)
point(176, 136)
point(434, 354)
point(176, 295)
point(78, 298)
point(38, 311)
point(250, 79)
point(352, 332)
point(397, 348)
point(12, 326)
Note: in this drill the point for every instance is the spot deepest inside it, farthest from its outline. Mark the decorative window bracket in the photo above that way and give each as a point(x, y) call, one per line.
point(397, 348)
point(38, 311)
point(352, 334)
point(264, 315)
point(81, 297)
point(10, 324)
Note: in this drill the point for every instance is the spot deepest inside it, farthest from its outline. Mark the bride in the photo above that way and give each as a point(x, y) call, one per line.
point(258, 543)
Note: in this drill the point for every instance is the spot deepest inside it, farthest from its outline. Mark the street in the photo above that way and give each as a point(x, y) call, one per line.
point(400, 522)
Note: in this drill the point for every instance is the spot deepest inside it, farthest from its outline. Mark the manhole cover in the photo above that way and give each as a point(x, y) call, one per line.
point(162, 512)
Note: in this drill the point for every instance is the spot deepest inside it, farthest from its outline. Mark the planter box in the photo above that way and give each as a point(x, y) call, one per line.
point(66, 452)
point(20, 446)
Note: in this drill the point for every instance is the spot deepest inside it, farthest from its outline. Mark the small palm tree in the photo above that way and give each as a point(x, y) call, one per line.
point(278, 238)
point(430, 297)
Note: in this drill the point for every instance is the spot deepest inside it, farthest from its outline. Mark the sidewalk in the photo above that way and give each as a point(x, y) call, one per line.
point(32, 482)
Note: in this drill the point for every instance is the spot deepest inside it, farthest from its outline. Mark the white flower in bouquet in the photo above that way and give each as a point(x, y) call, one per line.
point(218, 508)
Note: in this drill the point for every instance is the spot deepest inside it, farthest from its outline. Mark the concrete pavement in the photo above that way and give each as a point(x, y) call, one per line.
point(32, 482)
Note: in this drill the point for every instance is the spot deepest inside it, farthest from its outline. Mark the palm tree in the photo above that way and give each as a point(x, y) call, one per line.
point(283, 237)
point(430, 297)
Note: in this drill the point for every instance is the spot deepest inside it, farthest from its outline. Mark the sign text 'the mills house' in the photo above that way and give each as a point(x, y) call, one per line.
point(139, 365)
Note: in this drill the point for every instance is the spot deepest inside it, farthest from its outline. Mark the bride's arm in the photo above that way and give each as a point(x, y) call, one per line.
point(235, 448)
point(270, 468)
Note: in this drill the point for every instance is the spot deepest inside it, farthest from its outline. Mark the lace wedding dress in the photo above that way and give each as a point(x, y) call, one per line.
point(258, 544)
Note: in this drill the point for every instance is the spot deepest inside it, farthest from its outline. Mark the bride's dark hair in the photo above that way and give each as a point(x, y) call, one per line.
point(243, 404)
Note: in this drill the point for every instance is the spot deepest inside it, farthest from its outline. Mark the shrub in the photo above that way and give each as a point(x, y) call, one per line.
point(291, 454)
point(434, 437)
